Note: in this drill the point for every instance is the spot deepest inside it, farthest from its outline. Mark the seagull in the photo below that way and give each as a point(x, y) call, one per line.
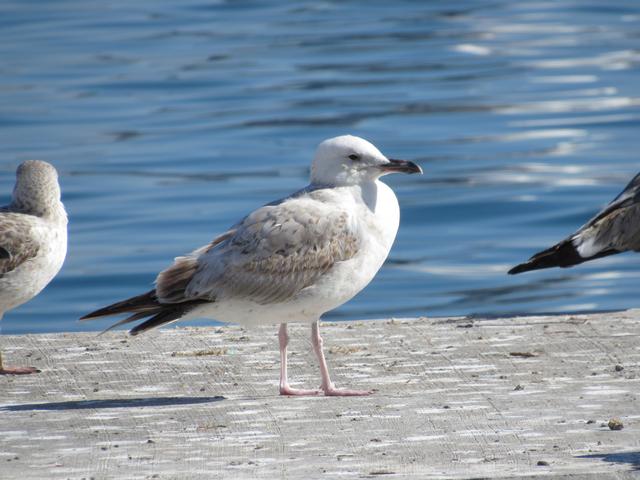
point(291, 260)
point(33, 239)
point(615, 229)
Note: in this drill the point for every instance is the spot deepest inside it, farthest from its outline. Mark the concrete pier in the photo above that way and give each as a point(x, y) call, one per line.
point(456, 398)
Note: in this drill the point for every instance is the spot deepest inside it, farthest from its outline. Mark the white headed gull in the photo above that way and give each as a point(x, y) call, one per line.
point(289, 261)
point(33, 239)
point(615, 229)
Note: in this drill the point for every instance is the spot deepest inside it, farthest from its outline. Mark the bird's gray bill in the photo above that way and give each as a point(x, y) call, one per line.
point(401, 166)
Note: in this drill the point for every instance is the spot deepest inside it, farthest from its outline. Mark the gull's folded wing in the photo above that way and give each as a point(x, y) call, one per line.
point(16, 244)
point(267, 258)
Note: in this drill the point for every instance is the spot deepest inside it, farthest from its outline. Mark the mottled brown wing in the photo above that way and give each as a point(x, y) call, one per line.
point(16, 242)
point(616, 228)
point(618, 231)
point(172, 282)
point(271, 255)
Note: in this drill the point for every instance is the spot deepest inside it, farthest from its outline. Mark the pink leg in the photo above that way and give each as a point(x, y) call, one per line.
point(327, 385)
point(285, 389)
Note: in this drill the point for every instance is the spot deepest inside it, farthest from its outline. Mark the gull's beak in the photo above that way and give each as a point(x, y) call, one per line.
point(400, 166)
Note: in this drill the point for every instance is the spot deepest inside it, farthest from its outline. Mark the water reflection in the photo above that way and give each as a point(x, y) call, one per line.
point(169, 121)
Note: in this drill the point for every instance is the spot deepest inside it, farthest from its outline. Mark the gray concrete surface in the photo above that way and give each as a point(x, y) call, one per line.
point(457, 398)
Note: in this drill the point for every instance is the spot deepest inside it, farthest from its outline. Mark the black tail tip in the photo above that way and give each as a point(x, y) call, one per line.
point(523, 267)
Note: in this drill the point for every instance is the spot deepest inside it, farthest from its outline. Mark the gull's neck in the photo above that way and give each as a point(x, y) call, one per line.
point(52, 211)
point(367, 190)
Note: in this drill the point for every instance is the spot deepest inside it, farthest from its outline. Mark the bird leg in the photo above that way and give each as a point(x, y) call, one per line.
point(16, 370)
point(285, 389)
point(327, 386)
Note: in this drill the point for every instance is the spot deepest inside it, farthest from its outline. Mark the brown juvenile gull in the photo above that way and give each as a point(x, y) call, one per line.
point(289, 261)
point(33, 239)
point(615, 229)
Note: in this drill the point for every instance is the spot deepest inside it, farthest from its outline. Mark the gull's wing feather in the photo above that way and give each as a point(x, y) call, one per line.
point(16, 242)
point(629, 197)
point(615, 229)
point(268, 257)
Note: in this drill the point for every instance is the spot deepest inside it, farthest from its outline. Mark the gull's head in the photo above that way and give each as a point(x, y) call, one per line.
point(36, 188)
point(349, 160)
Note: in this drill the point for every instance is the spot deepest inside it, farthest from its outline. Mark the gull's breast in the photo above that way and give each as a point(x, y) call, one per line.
point(386, 215)
point(378, 225)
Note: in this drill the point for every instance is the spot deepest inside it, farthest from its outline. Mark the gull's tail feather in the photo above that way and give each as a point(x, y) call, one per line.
point(563, 255)
point(168, 314)
point(129, 319)
point(147, 302)
point(142, 306)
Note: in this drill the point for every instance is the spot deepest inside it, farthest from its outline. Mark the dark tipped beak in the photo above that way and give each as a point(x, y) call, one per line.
point(400, 166)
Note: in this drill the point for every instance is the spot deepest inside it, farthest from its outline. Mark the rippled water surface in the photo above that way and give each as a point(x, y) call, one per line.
point(170, 120)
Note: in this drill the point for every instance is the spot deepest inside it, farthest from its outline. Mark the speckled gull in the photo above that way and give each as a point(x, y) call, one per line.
point(289, 261)
point(33, 239)
point(615, 229)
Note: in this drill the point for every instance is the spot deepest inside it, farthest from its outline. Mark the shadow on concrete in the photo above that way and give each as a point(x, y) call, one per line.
point(113, 403)
point(631, 458)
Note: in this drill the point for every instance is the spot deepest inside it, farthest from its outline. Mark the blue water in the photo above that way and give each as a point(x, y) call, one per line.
point(169, 120)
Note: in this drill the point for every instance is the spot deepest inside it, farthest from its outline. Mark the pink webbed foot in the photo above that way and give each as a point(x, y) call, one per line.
point(287, 390)
point(328, 387)
point(18, 370)
point(340, 392)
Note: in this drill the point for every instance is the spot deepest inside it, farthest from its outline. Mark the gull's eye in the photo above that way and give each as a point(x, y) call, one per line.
point(354, 157)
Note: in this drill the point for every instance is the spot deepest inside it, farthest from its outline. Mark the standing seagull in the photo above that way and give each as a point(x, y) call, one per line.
point(614, 230)
point(289, 261)
point(33, 239)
